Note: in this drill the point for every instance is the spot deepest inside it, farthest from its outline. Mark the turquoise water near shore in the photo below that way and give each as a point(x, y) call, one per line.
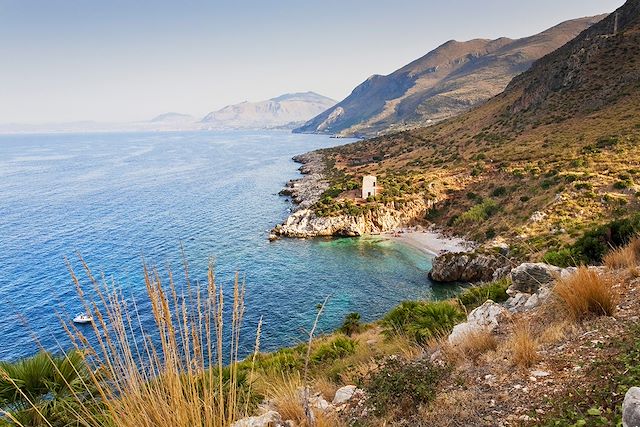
point(114, 198)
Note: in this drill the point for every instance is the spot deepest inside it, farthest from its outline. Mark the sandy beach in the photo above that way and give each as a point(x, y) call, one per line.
point(428, 240)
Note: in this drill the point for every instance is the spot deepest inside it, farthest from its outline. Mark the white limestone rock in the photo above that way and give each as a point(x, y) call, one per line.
point(269, 419)
point(486, 317)
point(344, 394)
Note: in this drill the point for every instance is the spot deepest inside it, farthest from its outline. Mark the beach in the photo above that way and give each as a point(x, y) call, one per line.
point(428, 240)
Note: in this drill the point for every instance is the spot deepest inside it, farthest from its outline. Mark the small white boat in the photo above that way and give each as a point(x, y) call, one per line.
point(82, 318)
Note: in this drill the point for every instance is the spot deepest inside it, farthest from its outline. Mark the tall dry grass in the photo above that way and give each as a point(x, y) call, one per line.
point(183, 373)
point(523, 345)
point(625, 257)
point(586, 292)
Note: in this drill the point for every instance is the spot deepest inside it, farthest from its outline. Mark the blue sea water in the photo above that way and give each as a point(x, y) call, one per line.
point(116, 198)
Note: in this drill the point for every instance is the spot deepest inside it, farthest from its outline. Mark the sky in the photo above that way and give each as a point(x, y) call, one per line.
point(130, 60)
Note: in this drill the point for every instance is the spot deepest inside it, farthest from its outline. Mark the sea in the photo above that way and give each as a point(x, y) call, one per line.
point(121, 200)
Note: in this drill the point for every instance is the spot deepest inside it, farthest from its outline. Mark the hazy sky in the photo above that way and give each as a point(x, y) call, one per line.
point(125, 60)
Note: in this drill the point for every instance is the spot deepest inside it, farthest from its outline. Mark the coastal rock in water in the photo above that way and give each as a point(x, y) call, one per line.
point(631, 408)
point(486, 317)
point(465, 267)
point(305, 223)
point(269, 419)
point(528, 277)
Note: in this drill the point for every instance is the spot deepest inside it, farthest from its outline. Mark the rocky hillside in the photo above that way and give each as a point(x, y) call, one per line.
point(283, 111)
point(446, 81)
point(548, 159)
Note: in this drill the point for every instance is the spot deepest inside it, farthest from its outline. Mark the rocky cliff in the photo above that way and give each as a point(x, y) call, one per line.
point(385, 217)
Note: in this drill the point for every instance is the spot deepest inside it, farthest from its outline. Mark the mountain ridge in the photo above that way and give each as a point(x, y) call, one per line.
point(446, 81)
point(285, 110)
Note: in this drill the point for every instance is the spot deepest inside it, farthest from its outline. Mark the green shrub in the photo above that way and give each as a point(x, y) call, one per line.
point(479, 212)
point(581, 185)
point(499, 191)
point(351, 324)
point(283, 360)
point(622, 185)
point(595, 243)
point(400, 387)
point(561, 258)
point(475, 296)
point(336, 348)
point(422, 320)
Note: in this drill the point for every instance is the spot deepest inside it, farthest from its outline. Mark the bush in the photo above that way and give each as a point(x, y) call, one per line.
point(421, 320)
point(581, 185)
point(336, 348)
point(499, 191)
point(594, 244)
point(351, 324)
point(475, 296)
point(401, 387)
point(561, 258)
point(622, 185)
point(479, 212)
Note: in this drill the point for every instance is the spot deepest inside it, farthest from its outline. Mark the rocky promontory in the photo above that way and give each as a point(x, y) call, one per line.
point(384, 217)
point(304, 222)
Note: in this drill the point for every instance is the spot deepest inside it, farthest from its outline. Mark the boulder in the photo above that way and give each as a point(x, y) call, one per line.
point(465, 267)
point(486, 317)
point(631, 408)
point(343, 394)
point(517, 301)
point(269, 419)
point(529, 276)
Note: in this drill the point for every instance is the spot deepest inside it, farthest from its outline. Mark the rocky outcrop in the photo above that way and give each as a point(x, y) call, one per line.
point(528, 277)
point(384, 217)
point(307, 190)
point(465, 267)
point(487, 317)
point(631, 408)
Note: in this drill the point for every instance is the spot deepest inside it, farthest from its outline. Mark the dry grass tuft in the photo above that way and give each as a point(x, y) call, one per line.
point(555, 332)
point(477, 343)
point(587, 292)
point(326, 388)
point(523, 346)
point(626, 257)
point(286, 395)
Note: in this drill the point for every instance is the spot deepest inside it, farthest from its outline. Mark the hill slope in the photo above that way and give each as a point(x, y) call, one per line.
point(553, 155)
point(282, 111)
point(446, 81)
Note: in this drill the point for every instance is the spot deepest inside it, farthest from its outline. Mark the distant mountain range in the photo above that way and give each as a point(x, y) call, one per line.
point(283, 112)
point(286, 110)
point(448, 80)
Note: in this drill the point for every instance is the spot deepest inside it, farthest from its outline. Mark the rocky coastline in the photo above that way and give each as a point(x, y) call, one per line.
point(307, 190)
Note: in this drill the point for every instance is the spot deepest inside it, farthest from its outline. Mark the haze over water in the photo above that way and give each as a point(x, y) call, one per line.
point(114, 198)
